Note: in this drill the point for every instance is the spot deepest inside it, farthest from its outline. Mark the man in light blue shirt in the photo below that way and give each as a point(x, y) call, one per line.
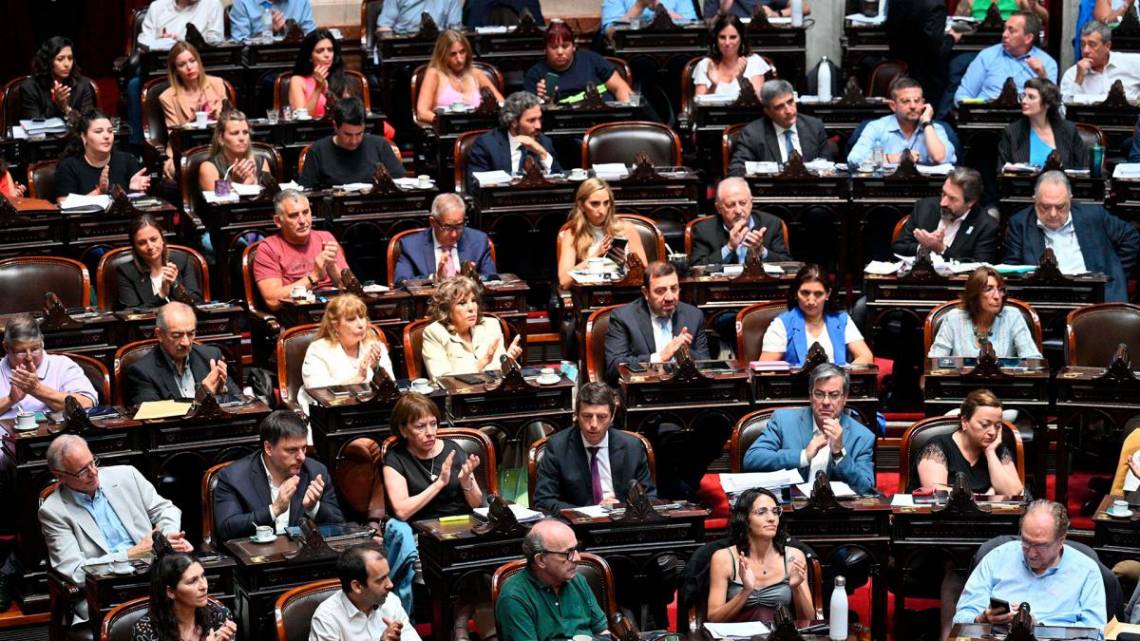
point(1016, 57)
point(404, 16)
point(245, 17)
point(910, 127)
point(630, 10)
point(1062, 586)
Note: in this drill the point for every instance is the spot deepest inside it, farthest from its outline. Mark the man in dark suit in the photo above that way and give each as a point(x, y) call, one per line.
point(1084, 238)
point(769, 138)
point(593, 462)
point(727, 239)
point(518, 137)
point(953, 226)
point(274, 486)
point(441, 251)
point(178, 365)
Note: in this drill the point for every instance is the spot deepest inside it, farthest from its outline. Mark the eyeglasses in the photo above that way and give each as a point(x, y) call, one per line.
point(180, 335)
point(1040, 547)
point(457, 227)
point(763, 511)
point(568, 553)
point(84, 472)
point(28, 353)
point(820, 395)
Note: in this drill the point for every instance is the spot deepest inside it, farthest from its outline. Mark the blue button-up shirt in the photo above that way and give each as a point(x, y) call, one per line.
point(1065, 246)
point(1071, 593)
point(403, 16)
point(887, 133)
point(662, 334)
point(118, 539)
point(613, 10)
point(987, 73)
point(245, 16)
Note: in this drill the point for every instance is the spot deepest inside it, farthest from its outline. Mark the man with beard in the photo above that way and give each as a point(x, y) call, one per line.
point(365, 608)
point(952, 225)
point(909, 128)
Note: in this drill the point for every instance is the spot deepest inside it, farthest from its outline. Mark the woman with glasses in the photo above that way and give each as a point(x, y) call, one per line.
point(462, 340)
point(1041, 130)
point(180, 608)
point(31, 380)
point(758, 573)
point(813, 317)
point(147, 279)
point(983, 317)
point(976, 449)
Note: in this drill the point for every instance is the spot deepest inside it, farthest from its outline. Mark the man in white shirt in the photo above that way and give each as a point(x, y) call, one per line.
point(167, 20)
point(1100, 66)
point(365, 609)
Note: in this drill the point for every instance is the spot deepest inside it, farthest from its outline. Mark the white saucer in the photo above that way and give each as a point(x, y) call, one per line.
point(422, 390)
point(254, 539)
point(577, 179)
point(30, 428)
point(552, 380)
point(1119, 515)
point(122, 570)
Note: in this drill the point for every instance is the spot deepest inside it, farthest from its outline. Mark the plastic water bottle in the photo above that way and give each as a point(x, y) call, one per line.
point(823, 80)
point(797, 13)
point(883, 8)
point(877, 157)
point(838, 624)
point(266, 22)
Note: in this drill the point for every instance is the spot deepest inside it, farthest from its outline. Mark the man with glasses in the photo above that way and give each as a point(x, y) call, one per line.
point(821, 438)
point(178, 365)
point(1083, 237)
point(441, 251)
point(591, 463)
point(549, 599)
point(727, 239)
point(1062, 586)
point(31, 380)
point(101, 515)
point(298, 257)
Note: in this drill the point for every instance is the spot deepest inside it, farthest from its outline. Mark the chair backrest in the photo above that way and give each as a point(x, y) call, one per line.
point(414, 344)
point(10, 104)
point(119, 623)
point(594, 568)
point(209, 484)
point(884, 73)
point(622, 141)
point(369, 12)
point(252, 294)
point(191, 163)
point(459, 153)
point(154, 119)
point(919, 435)
point(597, 326)
point(292, 344)
point(96, 372)
point(126, 356)
point(66, 277)
point(471, 441)
point(744, 433)
point(354, 81)
point(1093, 332)
point(751, 323)
point(294, 609)
point(935, 316)
point(489, 70)
point(1092, 135)
point(359, 480)
point(1127, 449)
point(727, 141)
point(107, 273)
point(41, 180)
point(538, 449)
point(651, 237)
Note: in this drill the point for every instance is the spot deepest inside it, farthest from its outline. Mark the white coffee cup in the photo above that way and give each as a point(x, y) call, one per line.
point(421, 385)
point(263, 533)
point(546, 372)
point(1119, 506)
point(298, 292)
point(301, 113)
point(582, 637)
point(596, 265)
point(25, 420)
point(201, 118)
point(578, 173)
point(423, 181)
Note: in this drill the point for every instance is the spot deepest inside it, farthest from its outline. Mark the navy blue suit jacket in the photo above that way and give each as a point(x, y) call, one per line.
point(492, 151)
point(1108, 244)
point(563, 479)
point(417, 254)
point(630, 336)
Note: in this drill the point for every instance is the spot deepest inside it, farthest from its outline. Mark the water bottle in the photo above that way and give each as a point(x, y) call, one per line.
point(877, 157)
point(569, 370)
point(266, 22)
point(883, 9)
point(1096, 159)
point(823, 80)
point(797, 13)
point(838, 624)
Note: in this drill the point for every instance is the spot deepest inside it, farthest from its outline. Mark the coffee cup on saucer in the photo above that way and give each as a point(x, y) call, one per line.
point(264, 534)
point(26, 420)
point(423, 181)
point(422, 385)
point(1119, 508)
point(298, 292)
point(301, 113)
point(596, 265)
point(578, 174)
point(547, 376)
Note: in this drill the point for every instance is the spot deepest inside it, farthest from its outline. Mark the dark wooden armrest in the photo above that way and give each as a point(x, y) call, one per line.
point(64, 594)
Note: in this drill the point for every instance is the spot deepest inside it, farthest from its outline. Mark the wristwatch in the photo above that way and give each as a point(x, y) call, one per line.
point(925, 124)
point(840, 456)
point(312, 281)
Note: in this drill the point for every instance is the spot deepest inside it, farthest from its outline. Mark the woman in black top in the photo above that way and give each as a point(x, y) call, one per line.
point(91, 164)
point(55, 87)
point(975, 450)
point(575, 70)
point(179, 609)
point(1041, 129)
point(146, 281)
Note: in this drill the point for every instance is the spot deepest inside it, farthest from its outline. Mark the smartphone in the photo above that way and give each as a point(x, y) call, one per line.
point(472, 379)
point(619, 244)
point(551, 83)
point(998, 606)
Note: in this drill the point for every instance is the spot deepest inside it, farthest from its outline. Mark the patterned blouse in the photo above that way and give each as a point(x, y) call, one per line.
point(216, 616)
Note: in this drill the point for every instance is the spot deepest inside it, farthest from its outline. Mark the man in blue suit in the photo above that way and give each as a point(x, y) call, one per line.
point(441, 251)
point(820, 438)
point(518, 137)
point(1084, 238)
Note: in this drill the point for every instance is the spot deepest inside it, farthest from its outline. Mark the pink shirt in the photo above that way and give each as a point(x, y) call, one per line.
point(311, 86)
point(288, 262)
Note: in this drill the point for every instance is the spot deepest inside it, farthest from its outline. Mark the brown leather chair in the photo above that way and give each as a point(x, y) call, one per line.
point(107, 273)
point(292, 346)
point(96, 372)
point(1093, 333)
point(622, 68)
point(119, 623)
point(41, 180)
point(727, 142)
point(694, 222)
point(154, 118)
point(355, 81)
point(192, 159)
point(459, 152)
point(263, 323)
point(744, 433)
point(538, 449)
point(935, 316)
point(751, 323)
point(414, 343)
point(359, 480)
point(471, 441)
point(487, 69)
point(884, 73)
point(591, 566)
point(651, 237)
point(622, 141)
point(919, 435)
point(899, 228)
point(294, 609)
point(394, 251)
point(1092, 135)
point(66, 277)
point(597, 326)
point(126, 356)
point(209, 484)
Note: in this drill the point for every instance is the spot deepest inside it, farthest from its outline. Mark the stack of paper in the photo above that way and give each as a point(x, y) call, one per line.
point(611, 171)
point(720, 98)
point(292, 184)
point(736, 483)
point(882, 267)
point(1086, 98)
point(935, 170)
point(841, 489)
point(820, 166)
point(860, 19)
point(353, 187)
point(214, 199)
point(75, 201)
point(492, 178)
point(745, 630)
point(408, 183)
point(1127, 171)
point(243, 189)
point(48, 126)
point(760, 168)
point(524, 515)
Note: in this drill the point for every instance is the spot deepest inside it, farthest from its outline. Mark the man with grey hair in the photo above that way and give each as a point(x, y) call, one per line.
point(349, 155)
point(440, 251)
point(818, 438)
point(728, 238)
point(299, 256)
point(1100, 66)
point(1083, 237)
point(31, 380)
point(549, 599)
point(518, 137)
point(952, 225)
point(1062, 586)
point(178, 365)
point(781, 130)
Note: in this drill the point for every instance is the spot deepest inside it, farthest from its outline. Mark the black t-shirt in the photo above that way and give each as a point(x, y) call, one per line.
point(944, 448)
point(75, 176)
point(327, 164)
point(450, 500)
point(587, 67)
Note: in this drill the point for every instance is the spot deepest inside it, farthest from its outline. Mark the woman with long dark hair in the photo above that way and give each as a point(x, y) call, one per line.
point(729, 58)
point(318, 74)
point(180, 608)
point(91, 165)
point(55, 88)
point(1041, 130)
point(146, 280)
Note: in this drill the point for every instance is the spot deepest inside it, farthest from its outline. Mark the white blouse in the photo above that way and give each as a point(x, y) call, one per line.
point(326, 363)
point(754, 66)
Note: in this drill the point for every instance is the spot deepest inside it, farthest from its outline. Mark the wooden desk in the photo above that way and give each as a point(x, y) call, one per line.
point(877, 203)
point(1124, 199)
point(1116, 539)
point(365, 223)
point(982, 632)
point(1117, 121)
point(1016, 192)
point(980, 126)
point(815, 210)
point(715, 293)
point(505, 297)
point(655, 392)
point(86, 230)
point(96, 334)
point(507, 406)
point(32, 226)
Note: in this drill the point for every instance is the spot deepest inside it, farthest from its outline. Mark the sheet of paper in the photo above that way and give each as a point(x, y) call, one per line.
point(353, 187)
point(732, 483)
point(935, 170)
point(819, 165)
point(213, 198)
point(860, 19)
point(902, 500)
point(49, 125)
point(882, 267)
point(243, 189)
point(760, 167)
point(162, 409)
point(521, 513)
point(745, 630)
point(593, 511)
point(73, 201)
point(841, 489)
point(292, 184)
point(1127, 170)
point(610, 170)
point(491, 178)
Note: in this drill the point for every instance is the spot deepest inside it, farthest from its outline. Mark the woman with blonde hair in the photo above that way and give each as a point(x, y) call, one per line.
point(345, 351)
point(591, 230)
point(450, 77)
point(462, 340)
point(231, 154)
point(191, 90)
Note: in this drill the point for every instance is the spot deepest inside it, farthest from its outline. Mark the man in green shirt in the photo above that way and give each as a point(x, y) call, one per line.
point(549, 600)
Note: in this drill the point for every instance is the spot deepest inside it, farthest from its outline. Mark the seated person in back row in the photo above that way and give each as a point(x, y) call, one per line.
point(441, 251)
point(1017, 56)
point(781, 129)
point(245, 17)
point(177, 366)
point(728, 238)
point(572, 70)
point(404, 16)
point(593, 462)
point(910, 127)
point(31, 380)
point(983, 317)
point(813, 317)
point(952, 226)
point(745, 8)
point(349, 155)
point(820, 438)
point(299, 256)
point(518, 137)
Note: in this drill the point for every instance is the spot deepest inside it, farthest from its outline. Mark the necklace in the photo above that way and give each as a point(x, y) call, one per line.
point(430, 472)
